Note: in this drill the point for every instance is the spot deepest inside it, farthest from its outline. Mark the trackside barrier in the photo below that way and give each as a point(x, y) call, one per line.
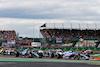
point(64, 49)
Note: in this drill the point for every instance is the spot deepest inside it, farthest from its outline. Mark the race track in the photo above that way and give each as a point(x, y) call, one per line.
point(44, 64)
point(37, 62)
point(12, 61)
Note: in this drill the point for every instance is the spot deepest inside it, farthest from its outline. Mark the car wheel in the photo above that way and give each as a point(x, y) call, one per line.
point(52, 55)
point(58, 56)
point(10, 53)
point(77, 57)
point(91, 52)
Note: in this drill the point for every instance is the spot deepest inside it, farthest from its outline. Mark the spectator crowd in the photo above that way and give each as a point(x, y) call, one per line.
point(8, 35)
point(67, 33)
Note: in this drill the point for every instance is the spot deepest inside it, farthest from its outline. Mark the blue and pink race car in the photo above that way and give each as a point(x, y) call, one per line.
point(75, 55)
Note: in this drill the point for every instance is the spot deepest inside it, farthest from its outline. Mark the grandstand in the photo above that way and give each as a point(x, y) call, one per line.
point(8, 35)
point(62, 32)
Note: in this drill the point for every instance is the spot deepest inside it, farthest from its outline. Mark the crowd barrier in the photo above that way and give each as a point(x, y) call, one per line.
point(64, 49)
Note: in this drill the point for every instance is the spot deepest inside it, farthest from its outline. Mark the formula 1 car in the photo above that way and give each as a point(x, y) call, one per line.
point(55, 53)
point(70, 54)
point(31, 53)
point(87, 52)
point(9, 51)
point(84, 57)
point(40, 52)
point(74, 55)
point(51, 53)
point(59, 53)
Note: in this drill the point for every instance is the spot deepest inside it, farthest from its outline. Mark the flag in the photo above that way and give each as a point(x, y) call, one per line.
point(44, 25)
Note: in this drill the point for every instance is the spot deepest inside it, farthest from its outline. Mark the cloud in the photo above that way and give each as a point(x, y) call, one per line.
point(51, 9)
point(22, 15)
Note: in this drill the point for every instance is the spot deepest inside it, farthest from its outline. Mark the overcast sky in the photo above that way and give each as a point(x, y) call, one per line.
point(22, 15)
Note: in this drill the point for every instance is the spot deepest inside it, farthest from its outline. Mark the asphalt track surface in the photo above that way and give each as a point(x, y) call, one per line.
point(12, 61)
point(37, 62)
point(44, 64)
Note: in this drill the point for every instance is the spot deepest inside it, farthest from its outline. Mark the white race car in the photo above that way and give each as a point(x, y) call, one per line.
point(9, 51)
point(87, 52)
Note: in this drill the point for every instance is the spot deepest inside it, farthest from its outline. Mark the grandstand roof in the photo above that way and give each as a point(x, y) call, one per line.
point(70, 26)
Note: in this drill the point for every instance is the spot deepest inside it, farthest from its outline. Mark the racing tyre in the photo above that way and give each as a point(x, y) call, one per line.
point(4, 53)
point(77, 57)
point(52, 55)
point(88, 55)
point(40, 55)
point(58, 56)
point(91, 52)
point(10, 53)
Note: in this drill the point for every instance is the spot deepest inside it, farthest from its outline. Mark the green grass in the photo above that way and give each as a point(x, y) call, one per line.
point(95, 56)
point(45, 60)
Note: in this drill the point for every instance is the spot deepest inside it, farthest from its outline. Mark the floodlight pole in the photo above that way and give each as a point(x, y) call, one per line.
point(71, 29)
point(33, 31)
point(54, 33)
point(87, 29)
point(79, 29)
point(79, 35)
point(39, 31)
point(95, 31)
point(54, 25)
point(62, 28)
